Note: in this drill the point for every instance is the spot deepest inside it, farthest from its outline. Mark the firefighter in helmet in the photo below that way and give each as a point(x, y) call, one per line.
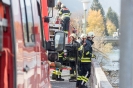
point(72, 58)
point(65, 18)
point(83, 39)
point(58, 6)
point(86, 60)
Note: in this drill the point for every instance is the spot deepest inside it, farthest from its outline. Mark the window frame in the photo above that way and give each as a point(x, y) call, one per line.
point(27, 42)
point(41, 24)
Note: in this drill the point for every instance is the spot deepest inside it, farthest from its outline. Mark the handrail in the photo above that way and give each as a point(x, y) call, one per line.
point(103, 54)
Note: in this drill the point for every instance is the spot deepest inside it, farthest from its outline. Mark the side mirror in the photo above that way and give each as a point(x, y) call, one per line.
point(51, 3)
point(59, 41)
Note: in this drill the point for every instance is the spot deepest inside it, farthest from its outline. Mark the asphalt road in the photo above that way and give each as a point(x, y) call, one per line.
point(63, 84)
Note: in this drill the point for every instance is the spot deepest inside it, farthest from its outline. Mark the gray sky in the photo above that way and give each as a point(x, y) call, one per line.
point(76, 5)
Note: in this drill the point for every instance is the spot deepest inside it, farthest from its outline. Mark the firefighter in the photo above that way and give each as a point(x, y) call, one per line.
point(83, 39)
point(86, 60)
point(72, 59)
point(65, 18)
point(58, 6)
point(56, 74)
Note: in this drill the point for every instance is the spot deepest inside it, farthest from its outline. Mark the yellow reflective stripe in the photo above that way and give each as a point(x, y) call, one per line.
point(66, 32)
point(61, 53)
point(88, 53)
point(66, 14)
point(72, 75)
point(79, 78)
point(56, 72)
point(84, 79)
point(85, 60)
point(93, 56)
point(60, 56)
point(80, 48)
point(60, 12)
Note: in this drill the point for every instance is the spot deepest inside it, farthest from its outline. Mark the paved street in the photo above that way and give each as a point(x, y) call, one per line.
point(63, 84)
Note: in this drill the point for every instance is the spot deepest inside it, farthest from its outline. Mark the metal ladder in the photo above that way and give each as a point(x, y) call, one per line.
point(53, 27)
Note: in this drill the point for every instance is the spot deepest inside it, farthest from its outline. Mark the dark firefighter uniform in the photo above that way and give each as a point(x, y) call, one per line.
point(65, 18)
point(72, 59)
point(85, 64)
point(56, 74)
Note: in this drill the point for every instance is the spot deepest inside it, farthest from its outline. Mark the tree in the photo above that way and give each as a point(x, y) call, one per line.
point(97, 6)
point(110, 27)
point(113, 17)
point(96, 23)
point(76, 21)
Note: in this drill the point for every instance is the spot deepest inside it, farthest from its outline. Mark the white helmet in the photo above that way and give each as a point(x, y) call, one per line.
point(58, 1)
point(73, 35)
point(91, 35)
point(83, 36)
point(62, 5)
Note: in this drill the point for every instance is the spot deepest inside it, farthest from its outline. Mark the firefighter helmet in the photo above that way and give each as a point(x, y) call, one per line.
point(58, 1)
point(62, 6)
point(91, 35)
point(73, 35)
point(83, 36)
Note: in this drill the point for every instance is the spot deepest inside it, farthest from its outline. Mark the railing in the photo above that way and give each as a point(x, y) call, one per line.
point(98, 77)
point(101, 71)
point(107, 38)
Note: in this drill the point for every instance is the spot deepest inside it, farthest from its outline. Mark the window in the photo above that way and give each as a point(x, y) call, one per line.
point(27, 21)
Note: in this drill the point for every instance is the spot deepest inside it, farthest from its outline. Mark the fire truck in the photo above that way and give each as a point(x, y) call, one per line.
point(24, 41)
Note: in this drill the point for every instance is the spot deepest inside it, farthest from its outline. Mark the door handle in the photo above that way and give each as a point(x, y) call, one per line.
point(26, 69)
point(42, 62)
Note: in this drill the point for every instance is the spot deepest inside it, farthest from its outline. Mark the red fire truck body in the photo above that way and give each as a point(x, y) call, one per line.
point(23, 56)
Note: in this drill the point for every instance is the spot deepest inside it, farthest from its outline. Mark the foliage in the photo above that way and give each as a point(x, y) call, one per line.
point(76, 21)
point(97, 6)
point(96, 23)
point(110, 27)
point(113, 17)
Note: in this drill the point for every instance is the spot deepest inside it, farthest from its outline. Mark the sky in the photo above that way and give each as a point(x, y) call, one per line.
point(76, 5)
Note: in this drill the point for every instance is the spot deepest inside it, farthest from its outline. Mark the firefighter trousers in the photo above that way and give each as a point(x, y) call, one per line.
point(73, 66)
point(65, 23)
point(84, 74)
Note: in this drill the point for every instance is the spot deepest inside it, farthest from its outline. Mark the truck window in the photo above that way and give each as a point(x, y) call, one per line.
point(27, 21)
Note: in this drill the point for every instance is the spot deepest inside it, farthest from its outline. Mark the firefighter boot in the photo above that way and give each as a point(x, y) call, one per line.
point(59, 78)
point(72, 79)
point(54, 76)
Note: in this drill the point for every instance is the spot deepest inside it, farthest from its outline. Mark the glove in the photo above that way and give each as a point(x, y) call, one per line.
point(93, 56)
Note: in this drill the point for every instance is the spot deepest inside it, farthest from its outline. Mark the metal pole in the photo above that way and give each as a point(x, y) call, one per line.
point(85, 23)
point(126, 44)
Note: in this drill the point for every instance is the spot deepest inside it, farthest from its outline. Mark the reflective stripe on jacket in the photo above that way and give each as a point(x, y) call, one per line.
point(64, 12)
